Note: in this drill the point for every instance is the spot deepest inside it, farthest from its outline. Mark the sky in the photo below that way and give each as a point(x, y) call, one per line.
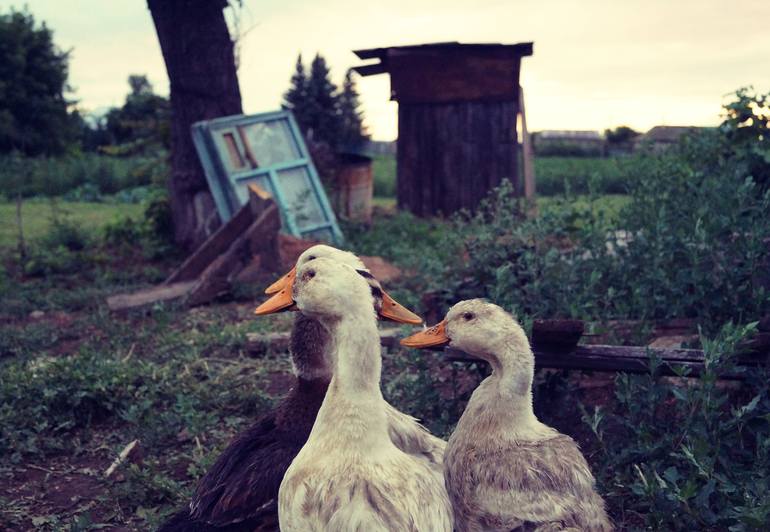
point(597, 63)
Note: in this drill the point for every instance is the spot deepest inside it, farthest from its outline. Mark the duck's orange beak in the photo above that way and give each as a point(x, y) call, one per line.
point(282, 299)
point(281, 283)
point(395, 311)
point(434, 337)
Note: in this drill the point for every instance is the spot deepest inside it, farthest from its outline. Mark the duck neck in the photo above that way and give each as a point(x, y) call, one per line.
point(358, 361)
point(511, 383)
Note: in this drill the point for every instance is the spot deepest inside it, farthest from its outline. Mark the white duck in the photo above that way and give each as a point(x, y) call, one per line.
point(504, 469)
point(310, 338)
point(350, 475)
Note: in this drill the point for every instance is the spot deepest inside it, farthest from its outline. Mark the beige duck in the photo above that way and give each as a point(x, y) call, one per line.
point(350, 475)
point(504, 469)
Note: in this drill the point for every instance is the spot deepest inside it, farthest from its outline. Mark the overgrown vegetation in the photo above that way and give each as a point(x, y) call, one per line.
point(689, 240)
point(688, 456)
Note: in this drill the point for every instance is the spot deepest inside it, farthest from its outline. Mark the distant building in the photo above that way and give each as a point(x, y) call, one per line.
point(457, 120)
point(660, 138)
point(568, 143)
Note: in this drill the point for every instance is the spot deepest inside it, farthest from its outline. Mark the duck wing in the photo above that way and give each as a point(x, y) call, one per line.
point(243, 483)
point(529, 485)
point(411, 437)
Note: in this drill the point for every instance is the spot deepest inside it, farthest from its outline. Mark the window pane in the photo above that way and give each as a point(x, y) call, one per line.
point(270, 142)
point(301, 202)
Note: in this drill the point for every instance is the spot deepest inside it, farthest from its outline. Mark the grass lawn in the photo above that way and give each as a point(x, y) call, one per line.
point(37, 213)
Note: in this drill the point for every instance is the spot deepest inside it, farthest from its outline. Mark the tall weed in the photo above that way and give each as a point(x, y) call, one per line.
point(680, 454)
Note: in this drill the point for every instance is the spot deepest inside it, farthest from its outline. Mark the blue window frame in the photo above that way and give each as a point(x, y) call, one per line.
point(266, 149)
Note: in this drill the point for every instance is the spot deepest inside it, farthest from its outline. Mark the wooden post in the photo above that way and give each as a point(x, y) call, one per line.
point(528, 156)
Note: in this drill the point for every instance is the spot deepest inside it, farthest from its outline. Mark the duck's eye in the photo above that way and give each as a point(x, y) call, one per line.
point(311, 257)
point(309, 274)
point(468, 316)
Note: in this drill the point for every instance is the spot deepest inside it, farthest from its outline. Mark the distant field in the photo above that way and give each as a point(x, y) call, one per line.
point(36, 217)
point(552, 175)
point(606, 175)
point(384, 170)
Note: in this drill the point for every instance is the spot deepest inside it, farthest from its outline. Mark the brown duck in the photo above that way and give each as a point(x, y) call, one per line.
point(239, 492)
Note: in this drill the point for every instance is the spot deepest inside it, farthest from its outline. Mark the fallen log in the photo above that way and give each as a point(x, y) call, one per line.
point(627, 359)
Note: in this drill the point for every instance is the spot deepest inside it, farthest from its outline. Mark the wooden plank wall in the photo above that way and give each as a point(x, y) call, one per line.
point(451, 154)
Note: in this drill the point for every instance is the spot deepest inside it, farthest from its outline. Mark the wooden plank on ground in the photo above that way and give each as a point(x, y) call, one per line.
point(149, 296)
point(222, 239)
point(217, 276)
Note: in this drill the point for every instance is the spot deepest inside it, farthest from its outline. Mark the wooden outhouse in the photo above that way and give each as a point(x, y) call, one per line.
point(457, 110)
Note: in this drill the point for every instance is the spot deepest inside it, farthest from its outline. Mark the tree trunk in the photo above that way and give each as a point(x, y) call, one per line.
point(199, 58)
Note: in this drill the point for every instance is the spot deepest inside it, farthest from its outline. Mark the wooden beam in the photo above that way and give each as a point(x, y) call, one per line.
point(214, 246)
point(627, 359)
point(371, 70)
point(528, 155)
point(218, 275)
point(155, 294)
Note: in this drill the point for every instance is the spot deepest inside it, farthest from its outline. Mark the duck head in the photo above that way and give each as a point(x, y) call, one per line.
point(385, 306)
point(312, 253)
point(481, 329)
point(325, 290)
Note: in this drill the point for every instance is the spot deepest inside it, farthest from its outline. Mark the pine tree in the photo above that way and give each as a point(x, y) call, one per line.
point(322, 122)
point(296, 97)
point(327, 116)
point(352, 133)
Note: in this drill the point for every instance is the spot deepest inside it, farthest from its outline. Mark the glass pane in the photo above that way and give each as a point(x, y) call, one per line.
point(269, 143)
point(301, 202)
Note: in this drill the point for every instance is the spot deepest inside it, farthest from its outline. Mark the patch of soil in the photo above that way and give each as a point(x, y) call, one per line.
point(62, 487)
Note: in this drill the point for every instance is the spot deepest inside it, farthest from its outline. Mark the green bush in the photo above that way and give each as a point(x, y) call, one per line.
point(695, 456)
point(154, 232)
point(691, 242)
point(83, 175)
point(60, 250)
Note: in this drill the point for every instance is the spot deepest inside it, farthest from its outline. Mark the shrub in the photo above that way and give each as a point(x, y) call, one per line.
point(691, 242)
point(89, 173)
point(61, 250)
point(688, 457)
point(154, 232)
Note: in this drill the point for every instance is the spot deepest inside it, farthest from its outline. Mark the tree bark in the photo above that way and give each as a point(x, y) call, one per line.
point(198, 52)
